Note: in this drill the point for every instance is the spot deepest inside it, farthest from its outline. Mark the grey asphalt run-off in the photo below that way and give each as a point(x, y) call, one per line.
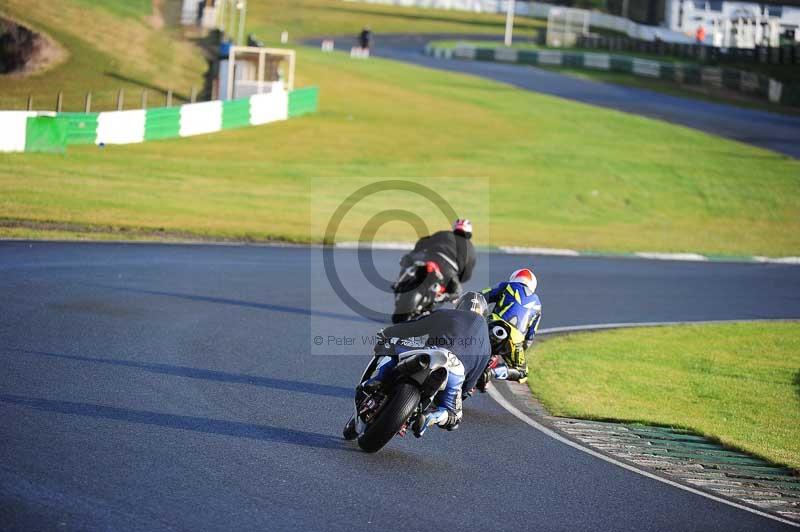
point(161, 387)
point(773, 131)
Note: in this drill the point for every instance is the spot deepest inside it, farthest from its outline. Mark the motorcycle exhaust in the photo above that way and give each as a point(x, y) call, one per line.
point(413, 364)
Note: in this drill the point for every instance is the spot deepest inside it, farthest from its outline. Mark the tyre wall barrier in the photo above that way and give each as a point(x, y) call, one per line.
point(33, 131)
point(718, 77)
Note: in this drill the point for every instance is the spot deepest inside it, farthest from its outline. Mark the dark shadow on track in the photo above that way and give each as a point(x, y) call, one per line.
point(197, 424)
point(211, 375)
point(235, 302)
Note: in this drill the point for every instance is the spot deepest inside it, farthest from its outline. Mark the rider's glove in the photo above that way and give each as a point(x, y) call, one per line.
point(484, 379)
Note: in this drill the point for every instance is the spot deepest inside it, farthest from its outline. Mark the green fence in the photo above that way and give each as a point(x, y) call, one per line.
point(235, 113)
point(162, 123)
point(50, 132)
point(81, 127)
point(303, 101)
point(46, 134)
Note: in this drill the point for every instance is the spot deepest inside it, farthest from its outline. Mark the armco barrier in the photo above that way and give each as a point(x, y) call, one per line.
point(745, 82)
point(50, 132)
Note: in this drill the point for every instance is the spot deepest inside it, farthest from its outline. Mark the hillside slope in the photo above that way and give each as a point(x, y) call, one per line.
point(112, 44)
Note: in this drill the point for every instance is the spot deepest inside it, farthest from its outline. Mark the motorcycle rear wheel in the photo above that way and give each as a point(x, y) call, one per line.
point(401, 405)
point(406, 306)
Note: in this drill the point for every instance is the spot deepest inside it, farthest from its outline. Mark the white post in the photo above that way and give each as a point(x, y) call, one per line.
point(509, 21)
point(221, 16)
point(231, 19)
point(231, 67)
point(291, 69)
point(262, 56)
point(242, 19)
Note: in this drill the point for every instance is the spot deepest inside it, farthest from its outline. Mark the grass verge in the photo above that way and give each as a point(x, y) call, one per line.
point(735, 383)
point(563, 174)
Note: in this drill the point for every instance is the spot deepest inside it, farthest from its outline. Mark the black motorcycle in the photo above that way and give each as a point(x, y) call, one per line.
point(390, 406)
point(420, 287)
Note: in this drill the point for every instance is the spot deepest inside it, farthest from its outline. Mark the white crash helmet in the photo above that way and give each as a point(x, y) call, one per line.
point(526, 277)
point(463, 226)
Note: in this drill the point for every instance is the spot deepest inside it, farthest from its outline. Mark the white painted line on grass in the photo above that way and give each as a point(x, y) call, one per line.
point(402, 246)
point(778, 260)
point(671, 256)
point(511, 409)
point(630, 325)
point(518, 250)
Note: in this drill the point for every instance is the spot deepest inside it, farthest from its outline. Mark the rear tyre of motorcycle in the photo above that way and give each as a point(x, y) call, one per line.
point(396, 412)
point(406, 306)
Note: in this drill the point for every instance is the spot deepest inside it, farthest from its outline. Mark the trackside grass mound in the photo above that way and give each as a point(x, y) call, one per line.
point(562, 174)
point(310, 18)
point(112, 44)
point(736, 383)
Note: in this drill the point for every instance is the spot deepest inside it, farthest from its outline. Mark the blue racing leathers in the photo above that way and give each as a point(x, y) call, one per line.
point(520, 308)
point(465, 335)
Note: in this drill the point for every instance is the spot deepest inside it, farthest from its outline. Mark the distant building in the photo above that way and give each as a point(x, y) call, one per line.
point(739, 24)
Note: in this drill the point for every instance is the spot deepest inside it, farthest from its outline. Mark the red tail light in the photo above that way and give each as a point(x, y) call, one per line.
point(432, 267)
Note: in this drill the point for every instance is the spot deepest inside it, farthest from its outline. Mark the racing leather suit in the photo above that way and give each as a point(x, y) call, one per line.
point(464, 334)
point(454, 254)
point(521, 309)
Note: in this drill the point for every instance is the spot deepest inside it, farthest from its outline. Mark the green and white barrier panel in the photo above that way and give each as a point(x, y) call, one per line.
point(32, 131)
point(746, 82)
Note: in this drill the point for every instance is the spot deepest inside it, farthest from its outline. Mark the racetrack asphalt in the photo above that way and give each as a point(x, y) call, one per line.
point(777, 132)
point(172, 387)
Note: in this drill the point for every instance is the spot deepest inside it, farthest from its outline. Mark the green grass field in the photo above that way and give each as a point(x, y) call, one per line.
point(311, 18)
point(562, 174)
point(736, 383)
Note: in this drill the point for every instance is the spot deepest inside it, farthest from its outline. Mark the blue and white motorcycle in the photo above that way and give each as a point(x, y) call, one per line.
point(410, 377)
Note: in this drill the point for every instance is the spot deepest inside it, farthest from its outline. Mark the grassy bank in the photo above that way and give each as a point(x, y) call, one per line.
point(562, 174)
point(737, 383)
point(310, 18)
point(112, 44)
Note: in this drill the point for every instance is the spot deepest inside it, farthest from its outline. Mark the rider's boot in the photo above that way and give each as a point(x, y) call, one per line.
point(439, 416)
point(516, 374)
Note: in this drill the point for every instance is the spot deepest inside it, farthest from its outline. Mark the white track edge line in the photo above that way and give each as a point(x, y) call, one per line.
point(630, 325)
point(514, 411)
point(511, 409)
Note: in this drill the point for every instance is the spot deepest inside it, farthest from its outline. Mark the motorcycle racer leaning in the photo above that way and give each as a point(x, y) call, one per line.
point(516, 304)
point(451, 250)
point(462, 331)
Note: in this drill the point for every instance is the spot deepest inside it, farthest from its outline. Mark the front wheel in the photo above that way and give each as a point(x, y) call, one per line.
point(401, 405)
